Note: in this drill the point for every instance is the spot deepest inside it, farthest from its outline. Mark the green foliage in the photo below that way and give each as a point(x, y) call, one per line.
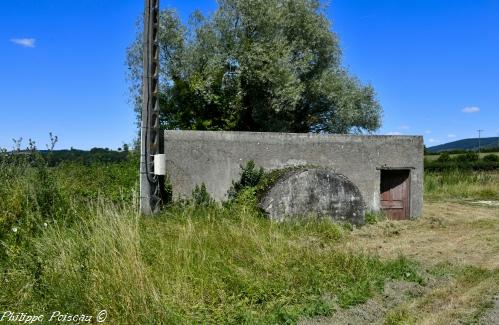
point(491, 158)
point(34, 196)
point(256, 65)
point(480, 165)
point(250, 177)
point(255, 182)
point(465, 161)
point(444, 157)
point(30, 199)
point(55, 158)
point(462, 151)
point(50, 201)
point(373, 217)
point(490, 149)
point(404, 268)
point(468, 157)
point(115, 181)
point(201, 197)
point(458, 183)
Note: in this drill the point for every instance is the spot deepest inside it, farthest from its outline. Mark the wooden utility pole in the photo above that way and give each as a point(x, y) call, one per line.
point(150, 138)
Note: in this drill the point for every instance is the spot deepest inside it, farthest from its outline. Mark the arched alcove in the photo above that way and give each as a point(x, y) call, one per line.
point(313, 192)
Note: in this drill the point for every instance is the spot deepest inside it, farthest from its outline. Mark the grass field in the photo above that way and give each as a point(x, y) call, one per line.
point(481, 155)
point(72, 241)
point(461, 185)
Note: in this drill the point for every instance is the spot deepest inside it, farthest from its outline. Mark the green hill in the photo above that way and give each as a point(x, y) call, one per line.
point(467, 144)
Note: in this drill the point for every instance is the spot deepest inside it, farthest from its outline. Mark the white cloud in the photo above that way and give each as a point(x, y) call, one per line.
point(404, 127)
point(427, 131)
point(24, 42)
point(451, 135)
point(431, 140)
point(471, 109)
point(394, 133)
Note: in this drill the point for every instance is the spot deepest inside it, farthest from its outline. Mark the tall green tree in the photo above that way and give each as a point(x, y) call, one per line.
point(256, 65)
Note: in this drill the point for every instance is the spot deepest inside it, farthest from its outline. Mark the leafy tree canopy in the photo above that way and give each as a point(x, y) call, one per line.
point(256, 65)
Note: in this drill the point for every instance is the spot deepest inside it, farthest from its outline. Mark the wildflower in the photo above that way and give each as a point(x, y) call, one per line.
point(14, 229)
point(45, 224)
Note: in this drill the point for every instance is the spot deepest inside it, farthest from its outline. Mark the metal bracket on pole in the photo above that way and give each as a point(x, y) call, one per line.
point(150, 137)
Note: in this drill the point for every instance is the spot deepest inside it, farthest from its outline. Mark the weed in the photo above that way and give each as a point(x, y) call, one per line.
point(250, 177)
point(201, 197)
point(399, 316)
point(373, 217)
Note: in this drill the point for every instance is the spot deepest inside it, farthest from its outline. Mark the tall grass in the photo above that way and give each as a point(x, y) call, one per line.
point(193, 263)
point(460, 184)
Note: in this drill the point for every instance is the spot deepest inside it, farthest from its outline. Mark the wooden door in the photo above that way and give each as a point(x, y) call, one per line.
point(395, 193)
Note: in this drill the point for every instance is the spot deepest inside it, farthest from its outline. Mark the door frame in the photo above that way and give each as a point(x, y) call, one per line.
point(409, 187)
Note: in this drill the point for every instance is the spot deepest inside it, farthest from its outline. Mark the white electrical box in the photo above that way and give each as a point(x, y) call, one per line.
point(160, 165)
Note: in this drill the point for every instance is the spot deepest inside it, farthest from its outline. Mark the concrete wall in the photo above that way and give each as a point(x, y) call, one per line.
point(214, 158)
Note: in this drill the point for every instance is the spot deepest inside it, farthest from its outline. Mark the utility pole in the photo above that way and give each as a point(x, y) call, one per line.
point(150, 139)
point(479, 140)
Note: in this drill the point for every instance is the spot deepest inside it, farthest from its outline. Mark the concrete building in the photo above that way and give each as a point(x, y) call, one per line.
point(388, 170)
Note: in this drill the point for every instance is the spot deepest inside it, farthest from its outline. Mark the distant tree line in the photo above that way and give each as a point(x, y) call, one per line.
point(459, 151)
point(95, 155)
point(466, 161)
point(54, 158)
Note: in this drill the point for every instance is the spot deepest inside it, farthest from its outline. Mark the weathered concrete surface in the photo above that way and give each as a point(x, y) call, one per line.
point(194, 157)
point(315, 191)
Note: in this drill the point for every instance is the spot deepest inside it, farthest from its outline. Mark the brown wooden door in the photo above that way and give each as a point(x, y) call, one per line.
point(395, 193)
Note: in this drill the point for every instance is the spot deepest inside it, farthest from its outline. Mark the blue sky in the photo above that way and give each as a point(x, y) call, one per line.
point(433, 63)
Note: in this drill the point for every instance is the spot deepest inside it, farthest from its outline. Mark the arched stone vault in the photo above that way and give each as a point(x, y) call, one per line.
point(313, 192)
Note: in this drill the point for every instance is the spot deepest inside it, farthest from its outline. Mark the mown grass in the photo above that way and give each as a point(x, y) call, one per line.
point(464, 295)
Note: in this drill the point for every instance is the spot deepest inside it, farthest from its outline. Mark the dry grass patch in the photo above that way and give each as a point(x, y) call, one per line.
point(457, 244)
point(461, 299)
point(459, 233)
